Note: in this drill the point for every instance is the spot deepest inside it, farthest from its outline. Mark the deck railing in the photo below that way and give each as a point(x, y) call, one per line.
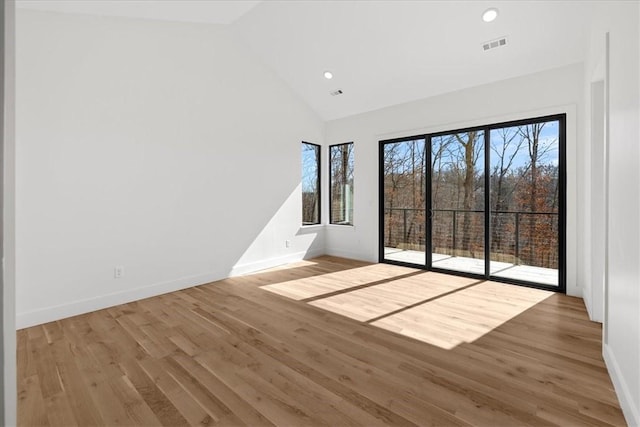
point(505, 225)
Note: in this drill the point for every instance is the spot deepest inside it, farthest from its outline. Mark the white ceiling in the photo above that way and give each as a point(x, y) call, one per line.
point(388, 52)
point(211, 11)
point(381, 52)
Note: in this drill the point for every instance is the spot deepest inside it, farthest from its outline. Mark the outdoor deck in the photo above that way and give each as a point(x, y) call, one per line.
point(545, 276)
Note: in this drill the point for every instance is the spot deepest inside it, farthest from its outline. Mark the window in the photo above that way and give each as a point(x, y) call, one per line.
point(341, 184)
point(310, 184)
point(487, 201)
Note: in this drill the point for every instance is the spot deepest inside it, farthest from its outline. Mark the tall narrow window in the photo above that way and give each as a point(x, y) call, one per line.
point(310, 184)
point(341, 185)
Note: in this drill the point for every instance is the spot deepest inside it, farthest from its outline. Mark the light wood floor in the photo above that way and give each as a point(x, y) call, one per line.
point(323, 342)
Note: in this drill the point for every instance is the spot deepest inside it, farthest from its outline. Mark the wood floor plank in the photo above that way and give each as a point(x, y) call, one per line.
point(25, 351)
point(323, 342)
point(48, 377)
point(231, 400)
point(188, 407)
point(166, 413)
point(31, 407)
point(59, 411)
point(75, 386)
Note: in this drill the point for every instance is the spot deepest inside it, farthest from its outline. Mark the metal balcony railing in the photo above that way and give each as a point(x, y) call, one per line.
point(412, 223)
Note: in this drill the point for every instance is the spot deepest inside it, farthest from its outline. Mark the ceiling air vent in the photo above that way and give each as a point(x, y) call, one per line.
point(336, 92)
point(492, 44)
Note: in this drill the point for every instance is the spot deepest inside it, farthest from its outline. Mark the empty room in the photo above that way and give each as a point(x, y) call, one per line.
point(320, 213)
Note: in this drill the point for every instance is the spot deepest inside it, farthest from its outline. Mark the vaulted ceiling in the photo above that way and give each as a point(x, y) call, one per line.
point(204, 11)
point(381, 53)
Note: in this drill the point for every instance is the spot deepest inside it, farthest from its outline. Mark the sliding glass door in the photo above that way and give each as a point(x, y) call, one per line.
point(485, 201)
point(525, 202)
point(457, 202)
point(403, 189)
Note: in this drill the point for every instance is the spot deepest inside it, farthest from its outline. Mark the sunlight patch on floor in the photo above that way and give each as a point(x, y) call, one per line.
point(435, 308)
point(375, 301)
point(463, 316)
point(337, 281)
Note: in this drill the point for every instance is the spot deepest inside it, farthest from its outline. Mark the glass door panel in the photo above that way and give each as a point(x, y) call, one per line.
point(457, 202)
point(525, 182)
point(487, 201)
point(403, 170)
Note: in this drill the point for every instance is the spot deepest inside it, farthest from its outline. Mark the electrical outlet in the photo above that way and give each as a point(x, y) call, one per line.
point(287, 243)
point(118, 272)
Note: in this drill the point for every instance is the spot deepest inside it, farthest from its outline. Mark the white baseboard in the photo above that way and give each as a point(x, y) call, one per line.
point(587, 303)
point(251, 267)
point(592, 314)
point(349, 255)
point(627, 402)
point(50, 314)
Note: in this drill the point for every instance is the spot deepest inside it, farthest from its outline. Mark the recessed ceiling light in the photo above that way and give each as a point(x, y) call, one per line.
point(328, 75)
point(490, 14)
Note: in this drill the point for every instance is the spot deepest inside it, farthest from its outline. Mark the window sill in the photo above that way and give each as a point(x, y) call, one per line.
point(312, 227)
point(345, 227)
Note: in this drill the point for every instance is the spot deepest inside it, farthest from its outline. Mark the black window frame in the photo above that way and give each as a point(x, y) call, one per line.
point(349, 224)
point(561, 118)
point(318, 149)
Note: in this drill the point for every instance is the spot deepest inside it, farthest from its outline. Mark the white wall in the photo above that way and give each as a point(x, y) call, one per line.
point(8, 226)
point(592, 276)
point(166, 148)
point(592, 173)
point(622, 300)
point(549, 92)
